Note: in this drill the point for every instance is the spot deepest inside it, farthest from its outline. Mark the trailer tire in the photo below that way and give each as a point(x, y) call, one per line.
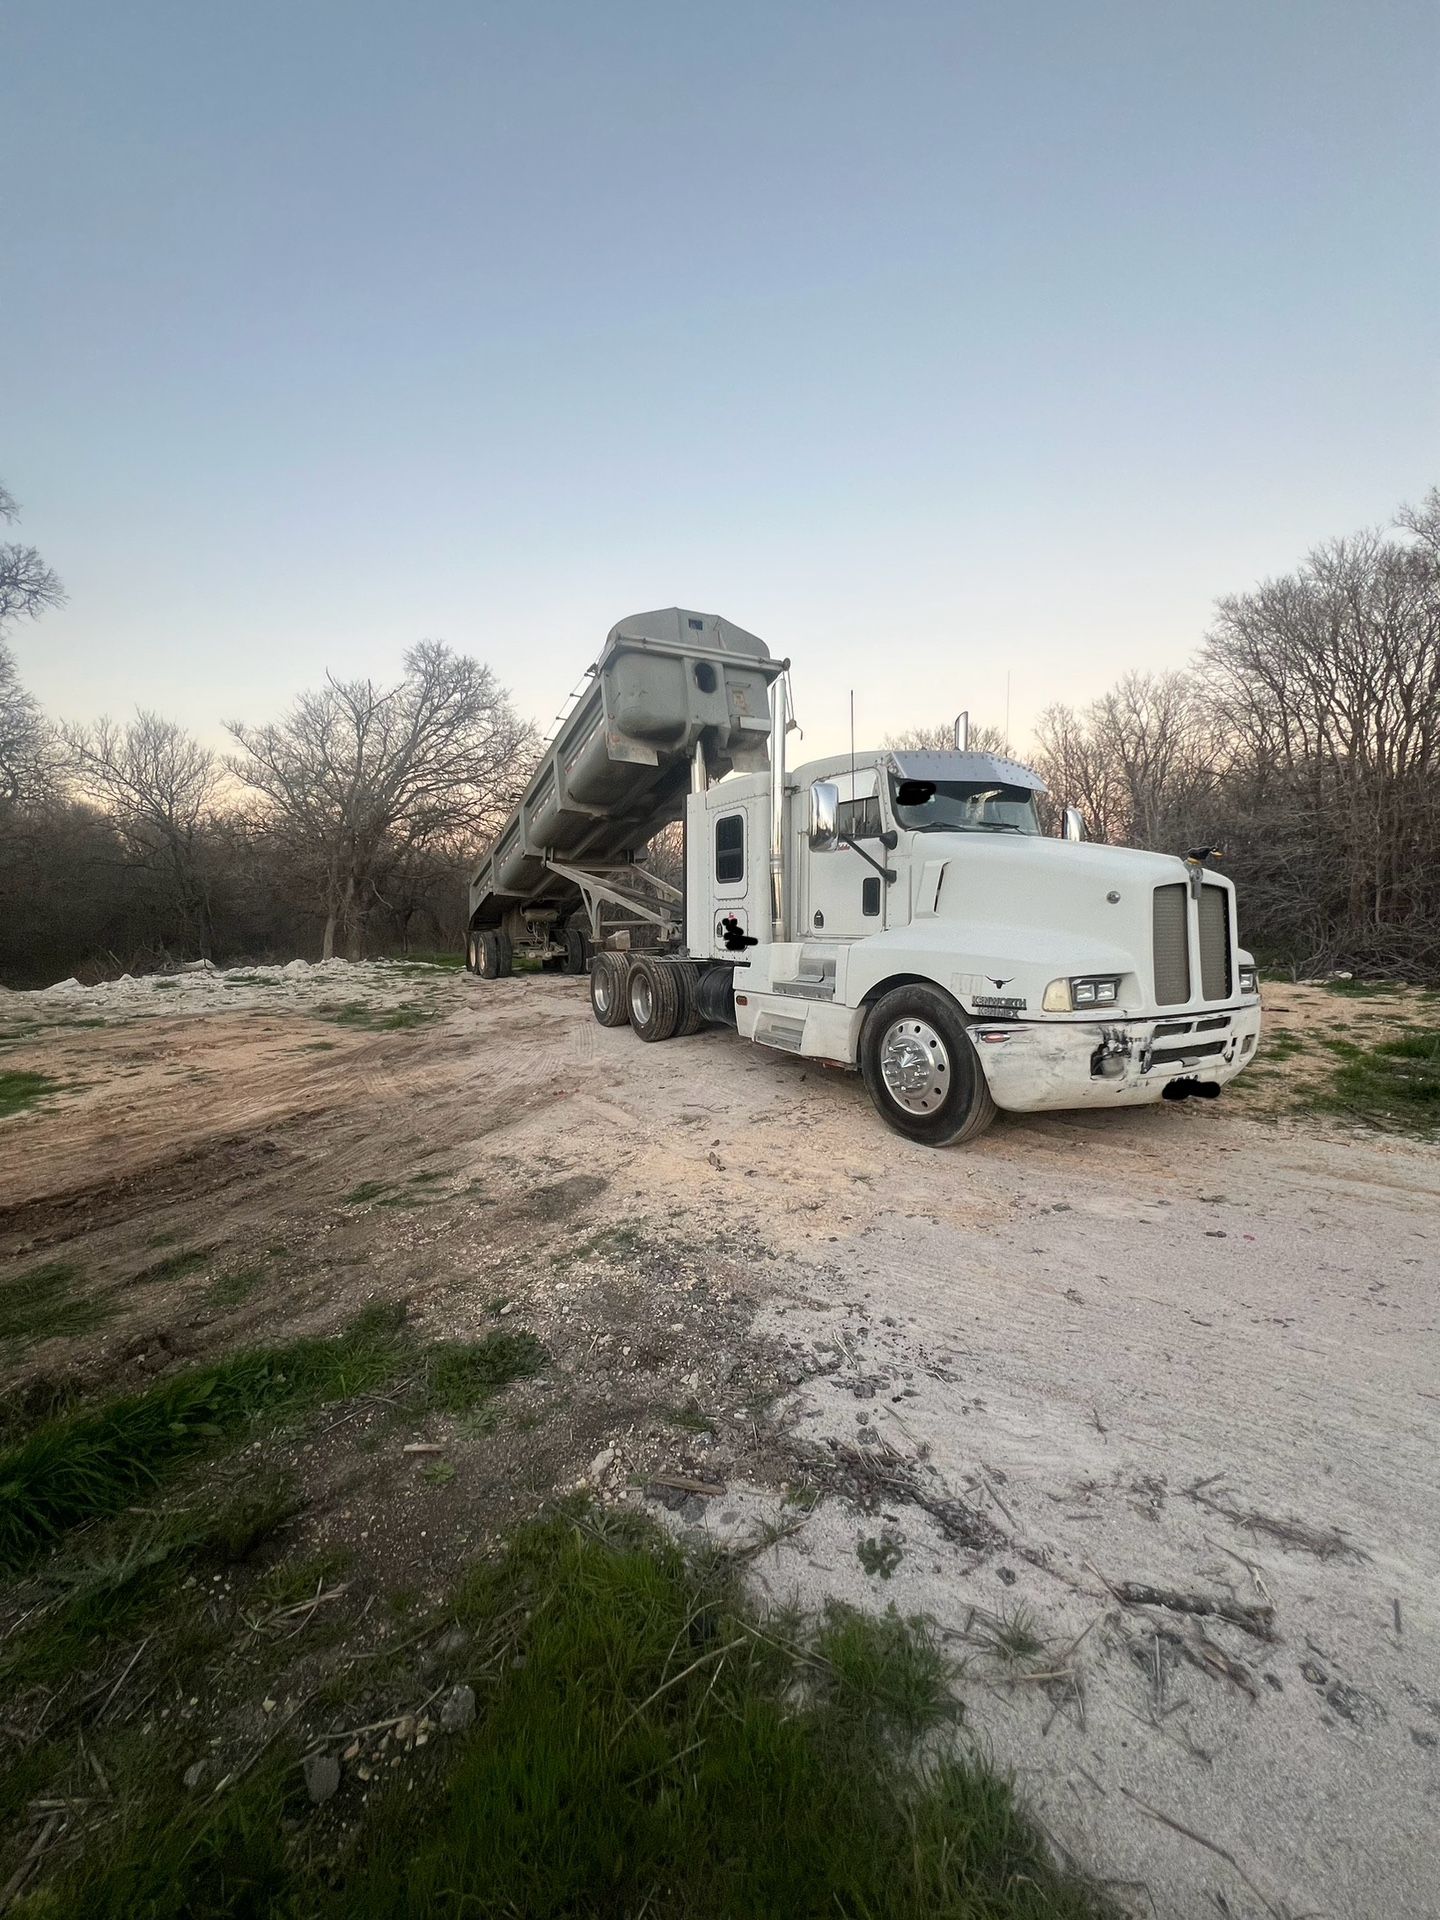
point(496, 955)
point(921, 1069)
point(577, 950)
point(472, 952)
point(652, 993)
point(609, 1001)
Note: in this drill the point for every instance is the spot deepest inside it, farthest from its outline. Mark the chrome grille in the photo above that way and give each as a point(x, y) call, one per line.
point(1214, 943)
point(1172, 945)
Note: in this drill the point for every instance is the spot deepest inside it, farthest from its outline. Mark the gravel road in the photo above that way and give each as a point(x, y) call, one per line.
point(1140, 1408)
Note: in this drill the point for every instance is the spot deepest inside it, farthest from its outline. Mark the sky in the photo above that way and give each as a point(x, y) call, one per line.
point(942, 345)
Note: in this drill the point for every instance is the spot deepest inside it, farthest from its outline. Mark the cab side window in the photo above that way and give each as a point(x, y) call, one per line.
point(860, 818)
point(730, 848)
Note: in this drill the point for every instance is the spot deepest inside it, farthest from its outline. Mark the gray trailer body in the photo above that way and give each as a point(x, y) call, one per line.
point(668, 685)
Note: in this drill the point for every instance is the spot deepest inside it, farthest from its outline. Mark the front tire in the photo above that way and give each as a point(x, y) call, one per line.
point(921, 1070)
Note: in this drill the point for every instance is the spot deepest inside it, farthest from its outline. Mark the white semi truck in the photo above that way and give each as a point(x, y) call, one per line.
point(900, 913)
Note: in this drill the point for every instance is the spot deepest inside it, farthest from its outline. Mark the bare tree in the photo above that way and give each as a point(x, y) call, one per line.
point(157, 785)
point(27, 758)
point(27, 585)
point(1138, 762)
point(941, 738)
point(1327, 684)
point(360, 779)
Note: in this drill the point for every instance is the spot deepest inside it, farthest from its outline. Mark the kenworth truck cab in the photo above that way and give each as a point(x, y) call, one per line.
point(897, 912)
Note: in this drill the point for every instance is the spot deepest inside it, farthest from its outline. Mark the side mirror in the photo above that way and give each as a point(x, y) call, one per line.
point(1074, 826)
point(824, 829)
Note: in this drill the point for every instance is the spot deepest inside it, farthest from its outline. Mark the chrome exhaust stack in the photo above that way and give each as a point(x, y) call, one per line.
point(779, 726)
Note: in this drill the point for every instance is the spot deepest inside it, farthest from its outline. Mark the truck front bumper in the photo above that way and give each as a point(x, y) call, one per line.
point(1033, 1065)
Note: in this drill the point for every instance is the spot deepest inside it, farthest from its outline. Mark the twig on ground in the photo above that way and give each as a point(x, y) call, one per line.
point(1252, 1620)
point(665, 1685)
point(1211, 1846)
point(129, 1667)
point(15, 1884)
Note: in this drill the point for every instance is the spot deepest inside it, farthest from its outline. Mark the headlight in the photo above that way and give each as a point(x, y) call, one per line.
point(1094, 990)
point(1249, 978)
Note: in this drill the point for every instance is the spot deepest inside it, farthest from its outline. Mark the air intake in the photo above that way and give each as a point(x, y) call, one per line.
point(1214, 943)
point(1172, 945)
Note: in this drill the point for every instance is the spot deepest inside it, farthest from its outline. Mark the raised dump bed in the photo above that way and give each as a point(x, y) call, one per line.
point(667, 685)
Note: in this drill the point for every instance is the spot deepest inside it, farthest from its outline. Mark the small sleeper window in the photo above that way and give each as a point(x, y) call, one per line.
point(730, 848)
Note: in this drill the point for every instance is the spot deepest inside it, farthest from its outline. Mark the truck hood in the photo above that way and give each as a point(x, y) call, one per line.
point(1083, 870)
point(1025, 910)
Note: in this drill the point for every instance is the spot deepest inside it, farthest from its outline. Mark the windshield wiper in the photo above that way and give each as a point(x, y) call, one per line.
point(972, 826)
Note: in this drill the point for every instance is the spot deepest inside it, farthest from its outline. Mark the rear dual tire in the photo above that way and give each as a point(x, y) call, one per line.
point(609, 1001)
point(491, 955)
point(656, 998)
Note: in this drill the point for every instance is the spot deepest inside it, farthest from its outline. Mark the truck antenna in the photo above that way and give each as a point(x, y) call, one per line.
point(852, 747)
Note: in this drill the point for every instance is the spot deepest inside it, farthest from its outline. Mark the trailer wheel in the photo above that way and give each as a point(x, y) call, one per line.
point(921, 1069)
point(496, 955)
point(472, 953)
point(577, 950)
point(609, 1001)
point(653, 993)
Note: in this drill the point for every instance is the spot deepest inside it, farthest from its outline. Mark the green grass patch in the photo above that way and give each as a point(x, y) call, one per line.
point(359, 1013)
point(176, 1265)
point(21, 1090)
point(644, 1745)
point(451, 962)
point(235, 1288)
point(1282, 1044)
point(132, 1571)
point(1394, 1082)
point(1362, 989)
point(45, 1302)
point(609, 1243)
point(86, 1464)
point(690, 1419)
point(460, 1376)
point(366, 1191)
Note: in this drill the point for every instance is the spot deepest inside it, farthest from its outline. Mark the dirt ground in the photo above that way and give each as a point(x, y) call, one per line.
point(1141, 1408)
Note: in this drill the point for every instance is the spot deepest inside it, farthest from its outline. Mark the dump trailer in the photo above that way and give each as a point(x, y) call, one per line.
point(671, 692)
point(896, 913)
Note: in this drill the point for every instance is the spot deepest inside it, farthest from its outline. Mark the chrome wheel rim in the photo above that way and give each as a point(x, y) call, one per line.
point(642, 1000)
point(600, 990)
point(915, 1066)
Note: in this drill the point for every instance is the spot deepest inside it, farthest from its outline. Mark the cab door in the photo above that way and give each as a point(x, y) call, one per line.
point(844, 895)
point(736, 855)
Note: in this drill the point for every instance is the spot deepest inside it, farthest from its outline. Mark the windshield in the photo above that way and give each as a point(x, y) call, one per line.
point(962, 806)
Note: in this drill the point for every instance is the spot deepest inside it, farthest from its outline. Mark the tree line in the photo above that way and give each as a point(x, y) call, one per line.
point(1304, 741)
point(345, 826)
